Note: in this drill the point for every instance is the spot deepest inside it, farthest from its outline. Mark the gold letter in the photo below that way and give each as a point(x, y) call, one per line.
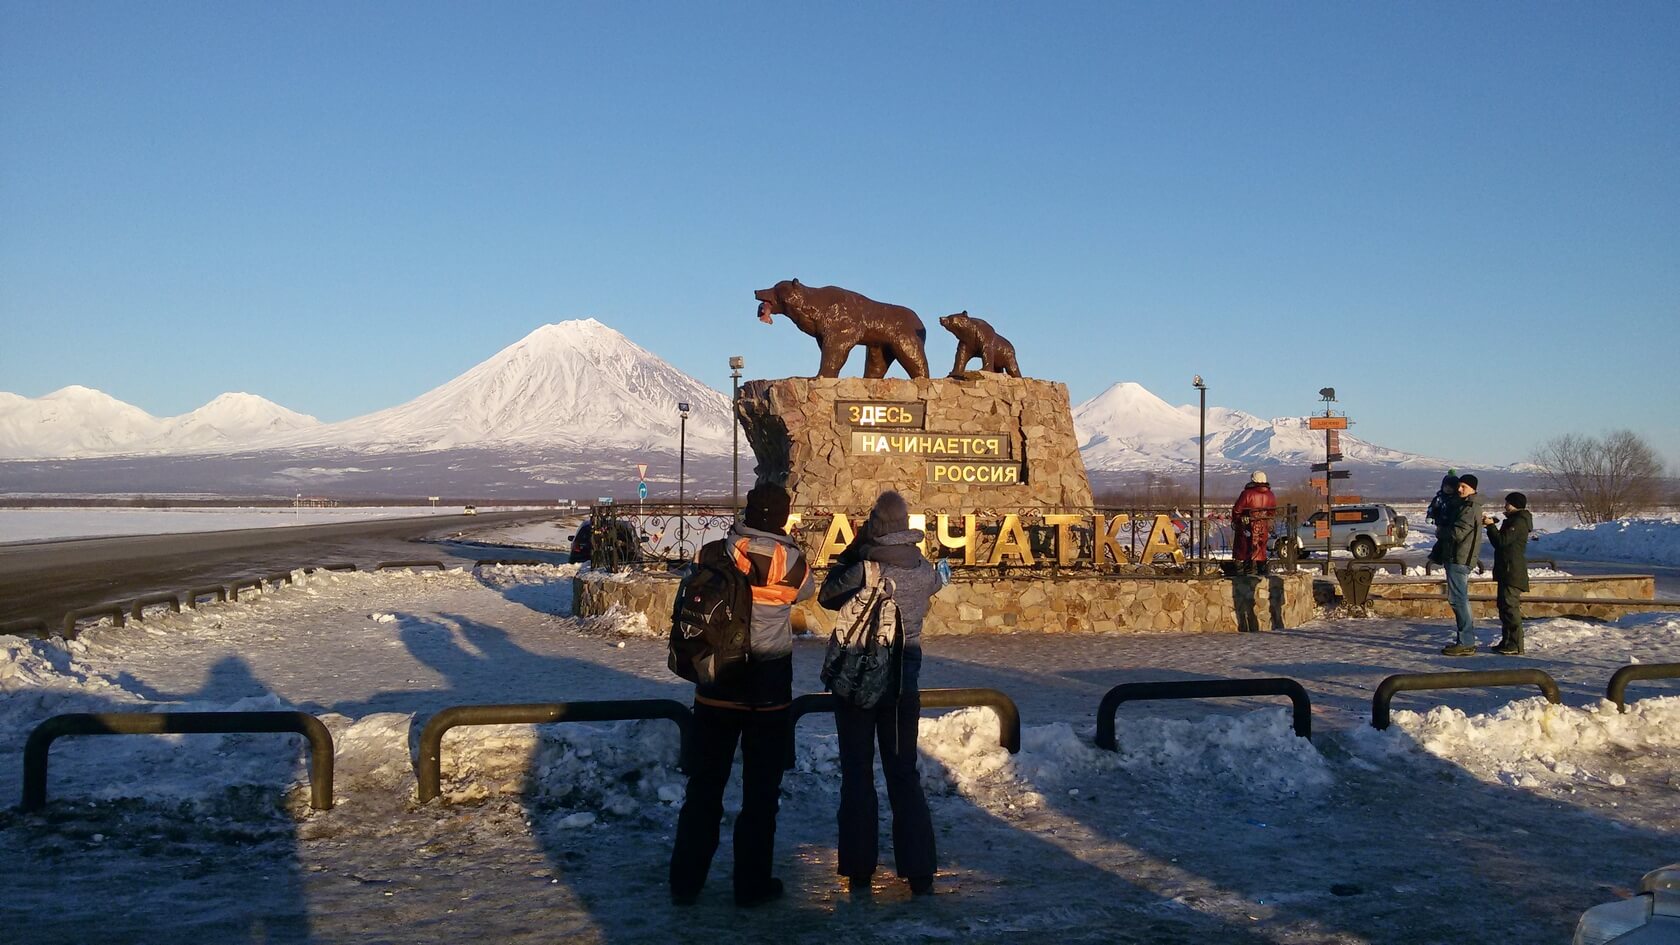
point(1065, 545)
point(840, 535)
point(969, 542)
point(1108, 539)
point(1163, 540)
point(1012, 540)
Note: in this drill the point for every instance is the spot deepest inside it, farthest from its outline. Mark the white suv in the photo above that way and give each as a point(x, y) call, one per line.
point(1377, 529)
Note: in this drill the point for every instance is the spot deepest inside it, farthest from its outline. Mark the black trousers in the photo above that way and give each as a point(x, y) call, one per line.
point(893, 726)
point(763, 740)
point(1510, 614)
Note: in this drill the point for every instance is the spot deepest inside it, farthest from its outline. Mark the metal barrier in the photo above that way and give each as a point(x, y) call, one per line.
point(141, 603)
point(34, 625)
point(393, 565)
point(114, 611)
point(1201, 689)
point(507, 562)
point(219, 591)
point(178, 723)
point(1619, 680)
point(335, 566)
point(428, 771)
point(278, 577)
point(237, 586)
point(1411, 682)
point(1009, 716)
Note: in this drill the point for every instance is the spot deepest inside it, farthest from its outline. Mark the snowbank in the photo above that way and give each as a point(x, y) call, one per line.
point(1640, 540)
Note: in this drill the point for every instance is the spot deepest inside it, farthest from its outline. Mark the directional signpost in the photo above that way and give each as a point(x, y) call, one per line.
point(1323, 483)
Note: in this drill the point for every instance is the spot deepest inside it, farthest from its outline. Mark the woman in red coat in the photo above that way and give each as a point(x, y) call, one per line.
point(1251, 523)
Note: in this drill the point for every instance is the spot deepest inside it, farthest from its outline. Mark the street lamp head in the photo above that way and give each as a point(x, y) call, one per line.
point(1197, 382)
point(1327, 393)
point(683, 407)
point(736, 362)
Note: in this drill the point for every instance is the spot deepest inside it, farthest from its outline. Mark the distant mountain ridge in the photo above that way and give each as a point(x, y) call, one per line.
point(1126, 428)
point(77, 421)
point(571, 403)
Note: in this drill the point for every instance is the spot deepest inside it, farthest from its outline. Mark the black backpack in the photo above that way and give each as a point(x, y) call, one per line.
point(711, 622)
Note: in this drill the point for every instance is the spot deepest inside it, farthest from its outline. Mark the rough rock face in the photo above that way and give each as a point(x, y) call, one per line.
point(986, 442)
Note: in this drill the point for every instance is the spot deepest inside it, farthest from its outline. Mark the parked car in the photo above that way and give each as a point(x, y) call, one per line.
point(1650, 918)
point(626, 545)
point(1377, 529)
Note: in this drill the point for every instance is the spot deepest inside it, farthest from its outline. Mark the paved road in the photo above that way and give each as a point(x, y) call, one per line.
point(46, 579)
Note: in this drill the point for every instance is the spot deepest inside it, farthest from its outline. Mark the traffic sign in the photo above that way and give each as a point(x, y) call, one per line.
point(641, 490)
point(1346, 500)
point(641, 473)
point(1327, 423)
point(1341, 473)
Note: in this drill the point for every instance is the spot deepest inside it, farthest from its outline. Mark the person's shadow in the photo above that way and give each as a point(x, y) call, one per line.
point(1455, 858)
point(227, 853)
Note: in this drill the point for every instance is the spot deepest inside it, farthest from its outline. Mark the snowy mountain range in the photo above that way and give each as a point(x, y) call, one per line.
point(1126, 428)
point(573, 385)
point(571, 404)
point(79, 421)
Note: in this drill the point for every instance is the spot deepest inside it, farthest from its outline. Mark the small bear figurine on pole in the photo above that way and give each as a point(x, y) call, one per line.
point(976, 338)
point(841, 320)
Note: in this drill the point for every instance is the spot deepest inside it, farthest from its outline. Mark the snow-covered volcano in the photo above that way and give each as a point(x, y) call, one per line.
point(1127, 428)
point(576, 384)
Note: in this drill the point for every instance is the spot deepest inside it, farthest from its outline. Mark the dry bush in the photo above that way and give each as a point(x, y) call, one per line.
point(1601, 480)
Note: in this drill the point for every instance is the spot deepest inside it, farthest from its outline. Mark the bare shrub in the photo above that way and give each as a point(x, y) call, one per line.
point(1601, 480)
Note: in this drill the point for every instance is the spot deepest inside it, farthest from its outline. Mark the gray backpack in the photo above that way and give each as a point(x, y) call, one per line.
point(861, 666)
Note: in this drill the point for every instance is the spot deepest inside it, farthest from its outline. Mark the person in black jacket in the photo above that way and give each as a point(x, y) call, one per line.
point(887, 539)
point(755, 714)
point(1510, 569)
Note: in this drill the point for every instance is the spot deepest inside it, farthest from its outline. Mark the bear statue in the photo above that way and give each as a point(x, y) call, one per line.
point(841, 320)
point(977, 338)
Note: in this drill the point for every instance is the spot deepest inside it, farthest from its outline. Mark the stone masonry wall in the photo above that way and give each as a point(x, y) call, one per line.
point(800, 439)
point(1105, 604)
point(1384, 596)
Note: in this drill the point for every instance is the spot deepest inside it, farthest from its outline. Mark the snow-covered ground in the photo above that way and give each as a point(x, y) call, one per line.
point(1480, 816)
point(1647, 540)
point(50, 524)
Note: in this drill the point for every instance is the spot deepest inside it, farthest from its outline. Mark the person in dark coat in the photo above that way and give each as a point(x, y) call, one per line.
point(888, 540)
point(1251, 525)
point(1510, 569)
point(753, 714)
point(1458, 539)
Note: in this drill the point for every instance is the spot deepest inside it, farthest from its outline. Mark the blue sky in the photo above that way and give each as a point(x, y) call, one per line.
point(1464, 217)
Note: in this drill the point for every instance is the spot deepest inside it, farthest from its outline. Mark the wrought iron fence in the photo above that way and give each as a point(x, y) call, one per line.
point(1100, 538)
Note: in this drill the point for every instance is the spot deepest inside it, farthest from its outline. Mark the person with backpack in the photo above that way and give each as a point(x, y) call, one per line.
point(1510, 569)
point(887, 549)
point(746, 704)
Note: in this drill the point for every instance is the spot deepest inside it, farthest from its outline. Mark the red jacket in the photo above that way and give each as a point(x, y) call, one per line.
point(1251, 522)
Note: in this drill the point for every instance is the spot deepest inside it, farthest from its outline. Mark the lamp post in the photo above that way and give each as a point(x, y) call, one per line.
point(1328, 395)
point(736, 363)
point(682, 473)
point(1201, 477)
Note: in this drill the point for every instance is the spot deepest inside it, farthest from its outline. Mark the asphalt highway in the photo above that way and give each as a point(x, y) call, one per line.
point(47, 579)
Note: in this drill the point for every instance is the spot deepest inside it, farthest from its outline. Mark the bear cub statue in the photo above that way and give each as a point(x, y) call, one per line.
point(976, 338)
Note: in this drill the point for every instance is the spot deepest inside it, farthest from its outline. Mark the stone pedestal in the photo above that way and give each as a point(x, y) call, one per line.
point(989, 442)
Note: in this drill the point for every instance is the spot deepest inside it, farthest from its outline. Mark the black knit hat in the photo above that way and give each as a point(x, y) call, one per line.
point(1517, 500)
point(890, 514)
point(1469, 479)
point(767, 507)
